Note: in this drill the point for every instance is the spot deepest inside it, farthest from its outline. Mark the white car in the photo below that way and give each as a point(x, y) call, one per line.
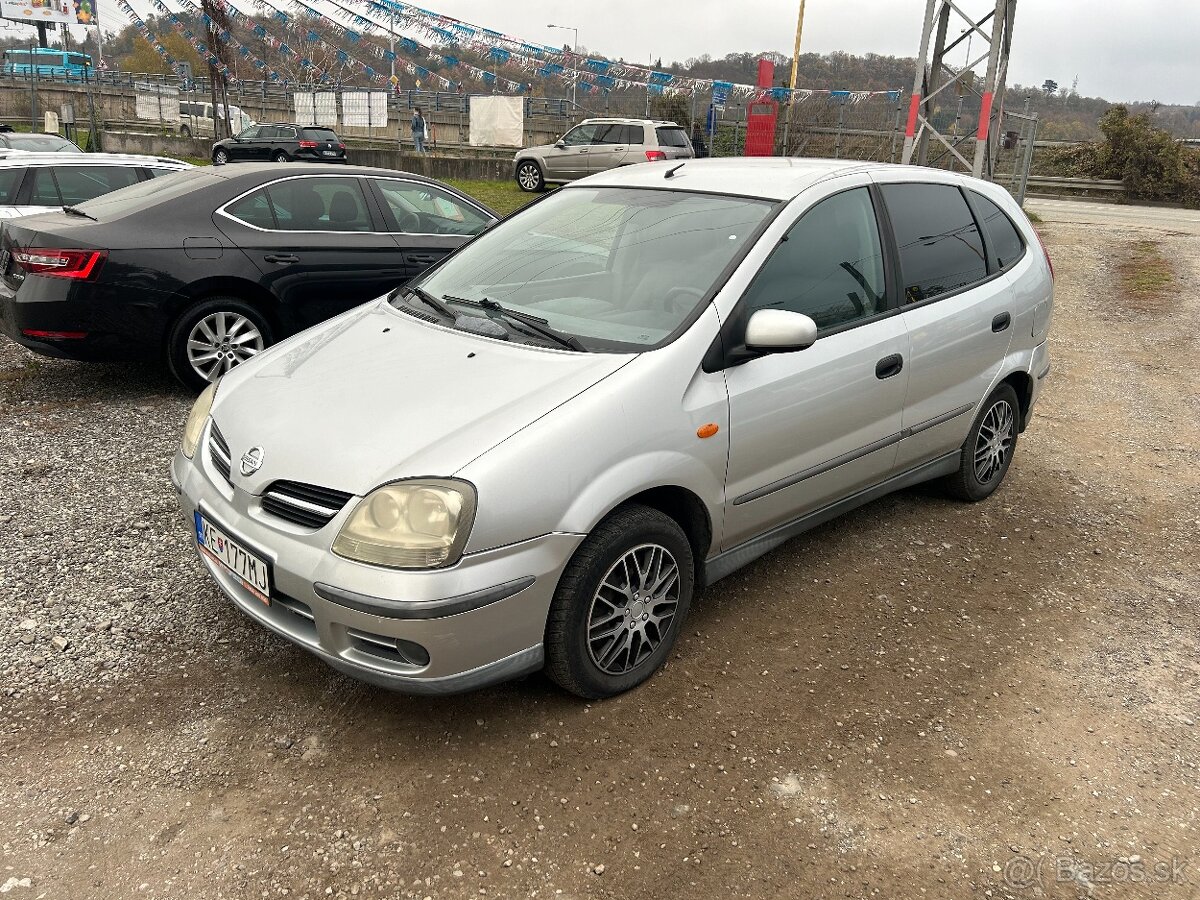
point(40, 182)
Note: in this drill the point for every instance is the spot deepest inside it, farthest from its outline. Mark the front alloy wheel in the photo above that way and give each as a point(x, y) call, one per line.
point(529, 177)
point(633, 608)
point(620, 603)
point(220, 156)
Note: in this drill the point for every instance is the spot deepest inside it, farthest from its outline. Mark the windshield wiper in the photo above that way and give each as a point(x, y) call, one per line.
point(534, 323)
point(428, 298)
point(76, 211)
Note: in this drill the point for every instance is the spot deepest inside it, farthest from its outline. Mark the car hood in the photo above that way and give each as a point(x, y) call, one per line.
point(375, 395)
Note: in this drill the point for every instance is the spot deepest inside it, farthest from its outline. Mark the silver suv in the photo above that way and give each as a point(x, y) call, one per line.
point(537, 452)
point(597, 145)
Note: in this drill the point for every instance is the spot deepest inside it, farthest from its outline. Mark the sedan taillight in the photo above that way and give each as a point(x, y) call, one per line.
point(308, 145)
point(655, 156)
point(82, 264)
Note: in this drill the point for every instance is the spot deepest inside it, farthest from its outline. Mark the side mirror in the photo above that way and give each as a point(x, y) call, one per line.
point(560, 144)
point(779, 331)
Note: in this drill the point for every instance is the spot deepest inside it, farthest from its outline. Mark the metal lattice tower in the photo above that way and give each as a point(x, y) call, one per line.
point(935, 75)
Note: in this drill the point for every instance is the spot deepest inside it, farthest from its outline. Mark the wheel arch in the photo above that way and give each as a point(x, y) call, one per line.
point(687, 510)
point(229, 286)
point(1022, 383)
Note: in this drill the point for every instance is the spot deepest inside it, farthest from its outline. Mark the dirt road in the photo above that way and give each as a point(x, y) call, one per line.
point(924, 699)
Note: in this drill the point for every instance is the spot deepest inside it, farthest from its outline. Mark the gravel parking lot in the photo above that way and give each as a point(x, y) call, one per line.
point(921, 699)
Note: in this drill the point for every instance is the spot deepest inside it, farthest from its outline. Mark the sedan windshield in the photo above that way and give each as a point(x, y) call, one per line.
point(619, 268)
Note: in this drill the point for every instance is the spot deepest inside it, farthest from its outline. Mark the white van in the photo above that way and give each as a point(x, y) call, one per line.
point(196, 119)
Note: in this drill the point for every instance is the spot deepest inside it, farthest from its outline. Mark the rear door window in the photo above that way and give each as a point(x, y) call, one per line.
point(1004, 239)
point(941, 250)
point(77, 184)
point(634, 134)
point(610, 134)
point(672, 137)
point(320, 204)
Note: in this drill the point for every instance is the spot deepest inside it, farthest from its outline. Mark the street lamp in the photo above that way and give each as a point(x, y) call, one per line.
point(574, 60)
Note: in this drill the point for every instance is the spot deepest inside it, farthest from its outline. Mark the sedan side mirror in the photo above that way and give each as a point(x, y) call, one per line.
point(779, 331)
point(560, 144)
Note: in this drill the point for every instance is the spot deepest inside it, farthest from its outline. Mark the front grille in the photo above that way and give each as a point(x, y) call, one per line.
point(304, 504)
point(218, 452)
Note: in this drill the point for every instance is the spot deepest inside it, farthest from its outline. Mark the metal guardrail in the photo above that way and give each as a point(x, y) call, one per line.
point(1076, 184)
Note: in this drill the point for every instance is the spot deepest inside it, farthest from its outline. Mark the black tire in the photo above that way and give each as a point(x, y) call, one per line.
point(570, 655)
point(529, 177)
point(280, 156)
point(248, 321)
point(184, 131)
point(220, 156)
point(985, 460)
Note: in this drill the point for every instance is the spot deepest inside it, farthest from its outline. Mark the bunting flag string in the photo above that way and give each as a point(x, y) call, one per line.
point(144, 30)
point(222, 34)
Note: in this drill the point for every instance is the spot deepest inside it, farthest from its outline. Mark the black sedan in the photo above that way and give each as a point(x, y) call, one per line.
point(281, 143)
point(209, 266)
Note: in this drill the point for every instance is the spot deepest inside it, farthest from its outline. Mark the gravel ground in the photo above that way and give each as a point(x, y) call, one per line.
point(922, 699)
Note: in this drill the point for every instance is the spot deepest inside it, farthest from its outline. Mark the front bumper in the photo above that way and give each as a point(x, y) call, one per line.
point(481, 621)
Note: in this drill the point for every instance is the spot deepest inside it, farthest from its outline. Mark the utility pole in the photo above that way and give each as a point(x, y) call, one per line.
point(787, 123)
point(41, 27)
point(392, 42)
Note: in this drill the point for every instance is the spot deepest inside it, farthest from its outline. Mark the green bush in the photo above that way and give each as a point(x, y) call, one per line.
point(1151, 163)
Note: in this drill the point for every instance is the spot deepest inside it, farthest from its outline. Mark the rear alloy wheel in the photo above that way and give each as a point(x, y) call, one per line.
point(220, 156)
point(213, 337)
point(281, 157)
point(530, 178)
point(619, 604)
point(988, 450)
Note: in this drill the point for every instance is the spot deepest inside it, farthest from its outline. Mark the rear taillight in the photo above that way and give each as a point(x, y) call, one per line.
point(82, 264)
point(308, 145)
point(1045, 253)
point(655, 156)
point(341, 146)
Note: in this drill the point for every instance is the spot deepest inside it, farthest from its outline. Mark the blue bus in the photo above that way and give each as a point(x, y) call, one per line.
point(46, 62)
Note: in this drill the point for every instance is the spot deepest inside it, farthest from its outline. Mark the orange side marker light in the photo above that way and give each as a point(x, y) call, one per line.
point(707, 431)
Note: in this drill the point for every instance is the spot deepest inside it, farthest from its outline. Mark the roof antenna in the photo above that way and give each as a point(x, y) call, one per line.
point(671, 171)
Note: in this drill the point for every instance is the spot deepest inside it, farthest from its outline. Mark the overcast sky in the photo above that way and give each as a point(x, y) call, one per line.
point(1148, 50)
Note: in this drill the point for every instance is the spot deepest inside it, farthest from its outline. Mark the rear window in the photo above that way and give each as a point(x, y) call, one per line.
point(45, 143)
point(1004, 239)
point(152, 190)
point(672, 137)
point(318, 134)
point(941, 250)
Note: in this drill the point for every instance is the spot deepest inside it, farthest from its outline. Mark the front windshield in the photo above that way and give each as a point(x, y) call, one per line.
point(619, 268)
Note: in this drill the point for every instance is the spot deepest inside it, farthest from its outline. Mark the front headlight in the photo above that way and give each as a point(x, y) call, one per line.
point(195, 422)
point(420, 524)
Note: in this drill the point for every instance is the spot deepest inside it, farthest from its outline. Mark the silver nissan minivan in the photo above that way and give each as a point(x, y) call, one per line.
point(537, 452)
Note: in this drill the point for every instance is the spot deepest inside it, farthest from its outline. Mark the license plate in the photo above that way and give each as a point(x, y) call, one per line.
point(251, 570)
point(329, 152)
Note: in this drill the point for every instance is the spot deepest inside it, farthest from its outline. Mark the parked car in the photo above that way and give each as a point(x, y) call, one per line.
point(597, 145)
point(281, 143)
point(196, 119)
point(209, 266)
point(39, 182)
point(535, 453)
point(38, 143)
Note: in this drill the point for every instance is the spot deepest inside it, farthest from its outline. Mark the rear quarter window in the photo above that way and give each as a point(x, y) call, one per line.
point(672, 137)
point(941, 250)
point(1004, 238)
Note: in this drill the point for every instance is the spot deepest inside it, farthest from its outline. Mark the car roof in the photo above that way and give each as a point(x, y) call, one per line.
point(34, 158)
point(253, 171)
point(618, 120)
point(769, 177)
